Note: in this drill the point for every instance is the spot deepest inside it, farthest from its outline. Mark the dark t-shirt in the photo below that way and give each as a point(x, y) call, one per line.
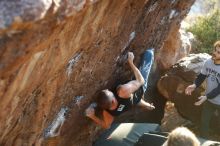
point(124, 104)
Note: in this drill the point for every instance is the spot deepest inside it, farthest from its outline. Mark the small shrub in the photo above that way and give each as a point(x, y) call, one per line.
point(206, 30)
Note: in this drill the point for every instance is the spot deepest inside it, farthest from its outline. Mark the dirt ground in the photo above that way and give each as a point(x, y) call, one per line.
point(173, 119)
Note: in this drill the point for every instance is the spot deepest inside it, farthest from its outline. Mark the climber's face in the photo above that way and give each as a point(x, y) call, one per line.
point(216, 55)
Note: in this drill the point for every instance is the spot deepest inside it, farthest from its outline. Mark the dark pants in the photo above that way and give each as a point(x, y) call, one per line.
point(207, 113)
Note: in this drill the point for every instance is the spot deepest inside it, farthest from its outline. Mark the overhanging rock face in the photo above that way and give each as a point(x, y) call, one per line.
point(54, 59)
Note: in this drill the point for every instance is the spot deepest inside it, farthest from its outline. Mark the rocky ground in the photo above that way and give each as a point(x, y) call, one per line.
point(173, 119)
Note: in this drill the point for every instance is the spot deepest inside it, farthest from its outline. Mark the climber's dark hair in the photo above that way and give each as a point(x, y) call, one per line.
point(103, 100)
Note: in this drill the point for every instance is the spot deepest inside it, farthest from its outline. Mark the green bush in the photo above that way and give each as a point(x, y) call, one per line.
point(206, 30)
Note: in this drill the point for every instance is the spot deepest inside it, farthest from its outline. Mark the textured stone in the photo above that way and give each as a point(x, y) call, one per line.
point(169, 54)
point(22, 10)
point(49, 65)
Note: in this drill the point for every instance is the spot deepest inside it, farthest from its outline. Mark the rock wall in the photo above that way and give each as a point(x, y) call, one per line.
point(55, 55)
point(169, 54)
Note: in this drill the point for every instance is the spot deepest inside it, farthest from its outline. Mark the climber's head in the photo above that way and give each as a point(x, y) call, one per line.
point(106, 100)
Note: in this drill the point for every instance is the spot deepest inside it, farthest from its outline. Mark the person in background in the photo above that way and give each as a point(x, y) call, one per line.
point(181, 136)
point(211, 72)
point(115, 103)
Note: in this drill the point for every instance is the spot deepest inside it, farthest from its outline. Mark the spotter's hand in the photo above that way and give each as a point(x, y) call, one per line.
point(190, 89)
point(201, 100)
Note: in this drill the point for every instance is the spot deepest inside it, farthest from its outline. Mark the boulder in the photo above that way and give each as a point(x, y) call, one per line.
point(172, 86)
point(55, 55)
